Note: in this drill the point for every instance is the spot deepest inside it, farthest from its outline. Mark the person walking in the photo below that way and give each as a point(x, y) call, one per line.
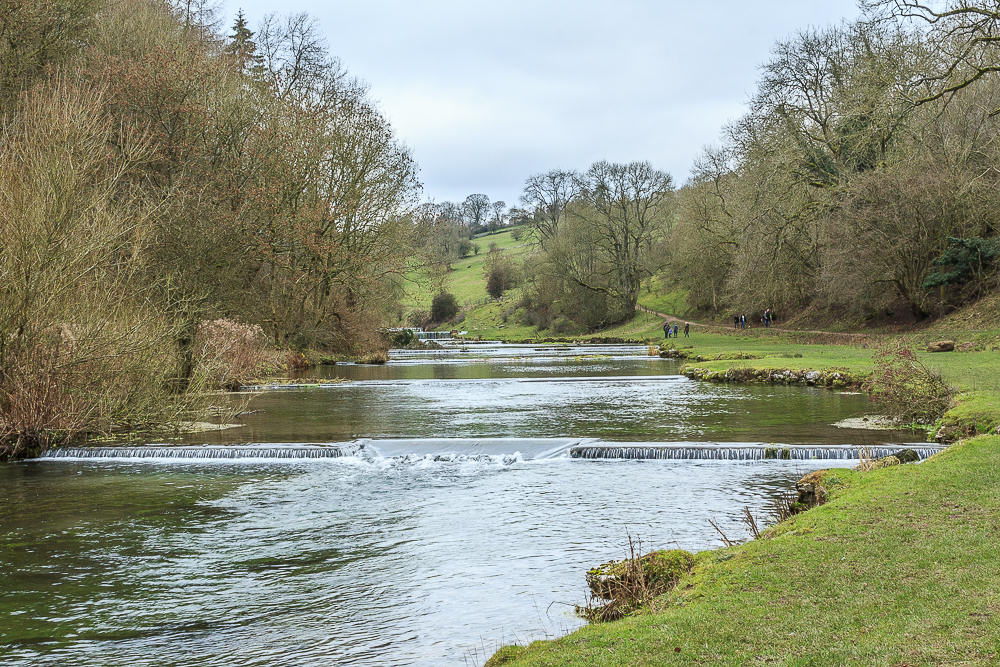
point(736, 321)
point(666, 329)
point(743, 321)
point(687, 329)
point(675, 329)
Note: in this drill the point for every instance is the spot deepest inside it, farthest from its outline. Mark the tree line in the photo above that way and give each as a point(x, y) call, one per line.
point(158, 173)
point(861, 183)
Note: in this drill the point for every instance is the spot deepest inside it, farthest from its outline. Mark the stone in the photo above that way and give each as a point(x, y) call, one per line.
point(811, 491)
point(906, 456)
point(941, 346)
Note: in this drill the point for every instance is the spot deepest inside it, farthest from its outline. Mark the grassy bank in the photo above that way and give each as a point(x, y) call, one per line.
point(899, 567)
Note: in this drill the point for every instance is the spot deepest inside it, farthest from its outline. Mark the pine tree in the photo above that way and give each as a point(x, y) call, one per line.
point(241, 46)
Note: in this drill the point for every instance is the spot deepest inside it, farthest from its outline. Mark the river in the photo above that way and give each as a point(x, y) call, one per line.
point(448, 512)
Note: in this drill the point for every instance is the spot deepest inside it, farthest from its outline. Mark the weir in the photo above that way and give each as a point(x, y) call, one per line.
point(742, 452)
point(268, 451)
point(506, 450)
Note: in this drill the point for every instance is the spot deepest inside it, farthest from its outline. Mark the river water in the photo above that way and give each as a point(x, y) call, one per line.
point(454, 519)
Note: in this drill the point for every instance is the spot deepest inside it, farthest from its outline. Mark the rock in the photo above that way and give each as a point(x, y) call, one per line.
point(941, 346)
point(811, 492)
point(884, 462)
point(811, 377)
point(906, 456)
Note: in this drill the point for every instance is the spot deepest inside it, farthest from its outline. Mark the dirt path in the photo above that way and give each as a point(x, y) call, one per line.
point(716, 327)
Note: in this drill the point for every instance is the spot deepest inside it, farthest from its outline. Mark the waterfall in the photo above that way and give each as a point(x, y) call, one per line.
point(270, 451)
point(743, 452)
point(489, 450)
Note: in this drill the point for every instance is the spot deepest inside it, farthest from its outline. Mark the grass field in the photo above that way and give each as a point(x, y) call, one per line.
point(465, 279)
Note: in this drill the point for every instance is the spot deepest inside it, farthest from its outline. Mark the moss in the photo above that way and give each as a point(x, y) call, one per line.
point(628, 584)
point(973, 413)
point(505, 655)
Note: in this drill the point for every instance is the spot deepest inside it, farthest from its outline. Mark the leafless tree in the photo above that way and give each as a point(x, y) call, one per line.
point(498, 215)
point(966, 33)
point(546, 196)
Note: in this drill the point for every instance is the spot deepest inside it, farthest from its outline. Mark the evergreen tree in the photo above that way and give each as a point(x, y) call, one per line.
point(241, 46)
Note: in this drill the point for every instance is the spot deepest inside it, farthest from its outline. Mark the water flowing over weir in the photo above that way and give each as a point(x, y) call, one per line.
point(738, 452)
point(225, 452)
point(501, 450)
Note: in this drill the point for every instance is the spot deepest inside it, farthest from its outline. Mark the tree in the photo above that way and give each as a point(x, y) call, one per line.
point(476, 211)
point(498, 215)
point(546, 196)
point(966, 34)
point(626, 211)
point(444, 307)
point(499, 271)
point(241, 47)
point(81, 345)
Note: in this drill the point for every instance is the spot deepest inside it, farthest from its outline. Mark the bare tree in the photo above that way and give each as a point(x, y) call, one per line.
point(625, 210)
point(966, 34)
point(546, 196)
point(498, 215)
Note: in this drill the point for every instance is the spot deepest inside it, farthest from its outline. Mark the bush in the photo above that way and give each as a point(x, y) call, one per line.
point(402, 338)
point(229, 353)
point(620, 587)
point(904, 388)
point(517, 234)
point(418, 318)
point(444, 307)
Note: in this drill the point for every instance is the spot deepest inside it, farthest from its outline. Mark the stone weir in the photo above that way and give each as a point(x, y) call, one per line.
point(744, 451)
point(268, 451)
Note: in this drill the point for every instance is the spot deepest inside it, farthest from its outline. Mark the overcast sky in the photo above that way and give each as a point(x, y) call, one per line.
point(488, 93)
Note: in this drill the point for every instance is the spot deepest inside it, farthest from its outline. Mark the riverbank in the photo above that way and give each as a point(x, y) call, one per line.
point(897, 568)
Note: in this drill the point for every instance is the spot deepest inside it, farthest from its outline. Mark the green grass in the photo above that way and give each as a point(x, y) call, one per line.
point(900, 567)
point(656, 296)
point(465, 279)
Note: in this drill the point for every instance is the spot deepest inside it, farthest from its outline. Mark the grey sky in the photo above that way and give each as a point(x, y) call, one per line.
point(487, 93)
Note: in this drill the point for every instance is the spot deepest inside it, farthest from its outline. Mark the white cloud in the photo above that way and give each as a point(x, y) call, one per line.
point(487, 93)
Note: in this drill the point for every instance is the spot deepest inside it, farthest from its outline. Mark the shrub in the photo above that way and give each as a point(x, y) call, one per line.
point(621, 587)
point(229, 353)
point(444, 307)
point(402, 338)
point(418, 318)
point(904, 388)
point(517, 234)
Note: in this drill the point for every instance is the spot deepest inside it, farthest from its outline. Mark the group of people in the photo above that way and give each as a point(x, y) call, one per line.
point(741, 322)
point(671, 329)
